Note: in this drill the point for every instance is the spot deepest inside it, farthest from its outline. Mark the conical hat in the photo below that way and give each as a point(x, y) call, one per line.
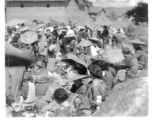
point(24, 29)
point(136, 41)
point(39, 26)
point(49, 28)
point(29, 37)
point(85, 43)
point(75, 59)
point(70, 35)
point(94, 39)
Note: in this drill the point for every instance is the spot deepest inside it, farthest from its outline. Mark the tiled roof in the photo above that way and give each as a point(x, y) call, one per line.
point(85, 2)
point(96, 10)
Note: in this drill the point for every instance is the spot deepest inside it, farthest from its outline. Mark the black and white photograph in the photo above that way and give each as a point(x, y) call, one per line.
point(76, 58)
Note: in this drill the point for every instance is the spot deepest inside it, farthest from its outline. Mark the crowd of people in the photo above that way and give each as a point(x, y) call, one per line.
point(63, 71)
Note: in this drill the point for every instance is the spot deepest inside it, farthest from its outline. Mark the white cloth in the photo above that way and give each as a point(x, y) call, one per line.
point(93, 51)
point(31, 93)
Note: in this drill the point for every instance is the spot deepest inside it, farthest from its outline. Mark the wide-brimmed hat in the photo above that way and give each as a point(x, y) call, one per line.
point(96, 59)
point(75, 59)
point(85, 43)
point(39, 26)
point(88, 26)
point(49, 28)
point(76, 77)
point(94, 39)
point(136, 41)
point(24, 29)
point(80, 28)
point(40, 30)
point(70, 35)
point(29, 37)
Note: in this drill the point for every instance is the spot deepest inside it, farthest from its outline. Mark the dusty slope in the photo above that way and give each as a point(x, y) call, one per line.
point(129, 98)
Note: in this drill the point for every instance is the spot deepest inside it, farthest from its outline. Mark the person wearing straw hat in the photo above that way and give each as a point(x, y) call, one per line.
point(85, 44)
point(30, 47)
point(141, 55)
point(24, 29)
point(78, 64)
point(67, 41)
point(106, 71)
point(42, 48)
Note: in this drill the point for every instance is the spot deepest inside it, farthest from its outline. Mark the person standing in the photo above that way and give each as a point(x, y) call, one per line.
point(105, 35)
point(42, 48)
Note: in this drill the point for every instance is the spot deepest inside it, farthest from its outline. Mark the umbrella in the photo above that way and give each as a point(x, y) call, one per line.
point(15, 22)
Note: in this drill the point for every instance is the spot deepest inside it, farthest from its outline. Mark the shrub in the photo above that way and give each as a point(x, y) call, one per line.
point(138, 32)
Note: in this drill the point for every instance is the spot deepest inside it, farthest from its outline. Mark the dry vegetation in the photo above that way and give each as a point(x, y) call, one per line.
point(129, 98)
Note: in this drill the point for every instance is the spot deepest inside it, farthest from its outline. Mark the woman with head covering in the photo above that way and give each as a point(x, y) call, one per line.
point(141, 55)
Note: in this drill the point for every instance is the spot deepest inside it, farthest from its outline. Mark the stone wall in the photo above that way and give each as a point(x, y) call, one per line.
point(60, 11)
point(36, 10)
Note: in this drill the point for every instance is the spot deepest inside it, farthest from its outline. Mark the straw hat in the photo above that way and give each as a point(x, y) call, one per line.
point(101, 59)
point(40, 30)
point(80, 27)
point(49, 28)
point(76, 77)
point(70, 35)
point(29, 37)
point(88, 26)
point(75, 59)
point(24, 29)
point(94, 39)
point(39, 26)
point(85, 43)
point(136, 41)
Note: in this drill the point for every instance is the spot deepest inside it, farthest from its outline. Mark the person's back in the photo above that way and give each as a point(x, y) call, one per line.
point(71, 104)
point(132, 64)
point(142, 58)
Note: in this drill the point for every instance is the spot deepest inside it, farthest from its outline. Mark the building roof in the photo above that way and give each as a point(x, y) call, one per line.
point(34, 0)
point(84, 2)
point(96, 10)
